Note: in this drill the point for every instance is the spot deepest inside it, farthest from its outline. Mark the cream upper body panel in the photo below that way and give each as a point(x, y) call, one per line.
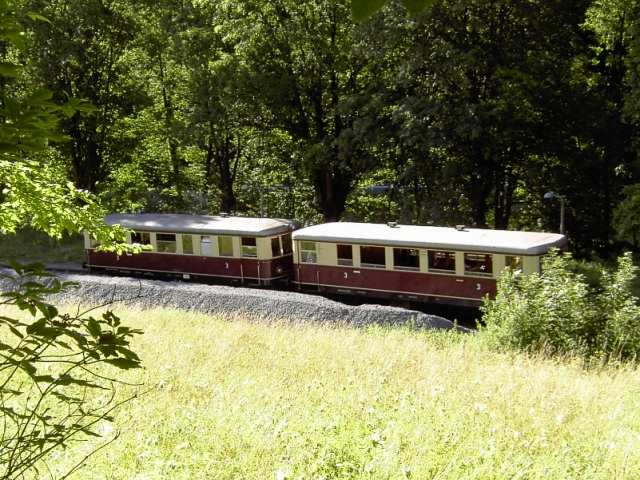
point(446, 238)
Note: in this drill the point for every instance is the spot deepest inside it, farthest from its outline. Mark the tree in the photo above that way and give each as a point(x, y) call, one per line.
point(363, 9)
point(488, 87)
point(626, 218)
point(80, 53)
point(50, 360)
point(221, 114)
point(311, 70)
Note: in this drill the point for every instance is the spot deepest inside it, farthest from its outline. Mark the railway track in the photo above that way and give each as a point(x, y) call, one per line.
point(264, 304)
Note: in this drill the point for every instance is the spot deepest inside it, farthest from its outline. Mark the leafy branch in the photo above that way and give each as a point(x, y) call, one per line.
point(50, 363)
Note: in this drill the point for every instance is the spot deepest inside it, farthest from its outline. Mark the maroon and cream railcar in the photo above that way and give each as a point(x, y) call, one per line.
point(413, 263)
point(254, 251)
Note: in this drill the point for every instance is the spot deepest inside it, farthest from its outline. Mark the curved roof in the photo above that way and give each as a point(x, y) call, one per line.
point(450, 238)
point(201, 224)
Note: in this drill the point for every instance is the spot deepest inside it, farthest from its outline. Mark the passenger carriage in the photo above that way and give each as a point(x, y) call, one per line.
point(255, 251)
point(414, 263)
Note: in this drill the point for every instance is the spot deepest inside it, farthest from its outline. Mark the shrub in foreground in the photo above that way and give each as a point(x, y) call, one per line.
point(55, 381)
point(559, 311)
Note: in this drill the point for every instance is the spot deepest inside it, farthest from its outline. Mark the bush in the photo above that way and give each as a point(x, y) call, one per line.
point(561, 311)
point(52, 365)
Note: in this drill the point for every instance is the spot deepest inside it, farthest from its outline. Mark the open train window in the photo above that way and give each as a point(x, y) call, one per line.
point(166, 242)
point(478, 263)
point(345, 255)
point(143, 238)
point(406, 259)
point(187, 244)
point(276, 249)
point(225, 246)
point(372, 257)
point(287, 246)
point(308, 252)
point(514, 263)
point(249, 248)
point(442, 261)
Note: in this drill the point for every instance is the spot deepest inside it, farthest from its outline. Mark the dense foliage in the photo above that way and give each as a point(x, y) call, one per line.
point(469, 111)
point(561, 311)
point(51, 363)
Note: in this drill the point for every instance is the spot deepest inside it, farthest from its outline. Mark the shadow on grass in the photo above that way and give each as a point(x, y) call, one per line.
point(32, 246)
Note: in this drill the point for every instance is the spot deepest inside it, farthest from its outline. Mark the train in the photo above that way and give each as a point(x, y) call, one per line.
point(409, 263)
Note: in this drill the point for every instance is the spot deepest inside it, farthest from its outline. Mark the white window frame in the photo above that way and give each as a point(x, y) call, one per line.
point(308, 255)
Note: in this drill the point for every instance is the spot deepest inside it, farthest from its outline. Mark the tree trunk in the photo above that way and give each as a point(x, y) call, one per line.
point(332, 189)
point(503, 198)
point(176, 160)
point(227, 154)
point(480, 185)
point(85, 153)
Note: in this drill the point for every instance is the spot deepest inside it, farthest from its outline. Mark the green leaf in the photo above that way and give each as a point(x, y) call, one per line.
point(28, 367)
point(36, 326)
point(416, 6)
point(94, 327)
point(123, 363)
point(8, 70)
point(16, 332)
point(37, 17)
point(363, 9)
point(70, 380)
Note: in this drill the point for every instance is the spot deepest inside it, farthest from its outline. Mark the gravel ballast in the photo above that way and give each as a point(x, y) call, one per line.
point(225, 300)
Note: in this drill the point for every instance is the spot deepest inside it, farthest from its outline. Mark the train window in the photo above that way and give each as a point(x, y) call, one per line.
point(166, 242)
point(225, 246)
point(143, 238)
point(276, 250)
point(478, 263)
point(442, 261)
point(406, 259)
point(308, 252)
point(345, 255)
point(187, 244)
point(249, 248)
point(372, 257)
point(514, 263)
point(287, 246)
point(205, 246)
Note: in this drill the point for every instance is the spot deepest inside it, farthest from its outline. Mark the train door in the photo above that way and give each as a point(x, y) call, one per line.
point(307, 271)
point(206, 249)
point(349, 276)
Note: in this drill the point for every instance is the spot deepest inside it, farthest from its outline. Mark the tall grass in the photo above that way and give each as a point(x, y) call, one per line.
point(232, 399)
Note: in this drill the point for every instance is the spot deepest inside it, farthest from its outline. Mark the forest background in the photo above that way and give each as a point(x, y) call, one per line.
point(466, 113)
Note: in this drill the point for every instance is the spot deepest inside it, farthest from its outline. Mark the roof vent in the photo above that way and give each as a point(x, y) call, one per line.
point(392, 224)
point(224, 214)
point(461, 228)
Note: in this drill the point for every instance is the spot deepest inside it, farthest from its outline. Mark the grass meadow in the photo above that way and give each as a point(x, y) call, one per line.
point(228, 398)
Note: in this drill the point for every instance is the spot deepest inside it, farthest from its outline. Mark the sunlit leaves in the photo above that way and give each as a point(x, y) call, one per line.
point(50, 363)
point(48, 358)
point(363, 9)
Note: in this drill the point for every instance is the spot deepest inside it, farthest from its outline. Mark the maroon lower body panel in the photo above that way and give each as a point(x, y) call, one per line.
point(406, 285)
point(263, 271)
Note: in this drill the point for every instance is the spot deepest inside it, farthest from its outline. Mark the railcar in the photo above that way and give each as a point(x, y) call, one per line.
point(252, 251)
point(457, 266)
